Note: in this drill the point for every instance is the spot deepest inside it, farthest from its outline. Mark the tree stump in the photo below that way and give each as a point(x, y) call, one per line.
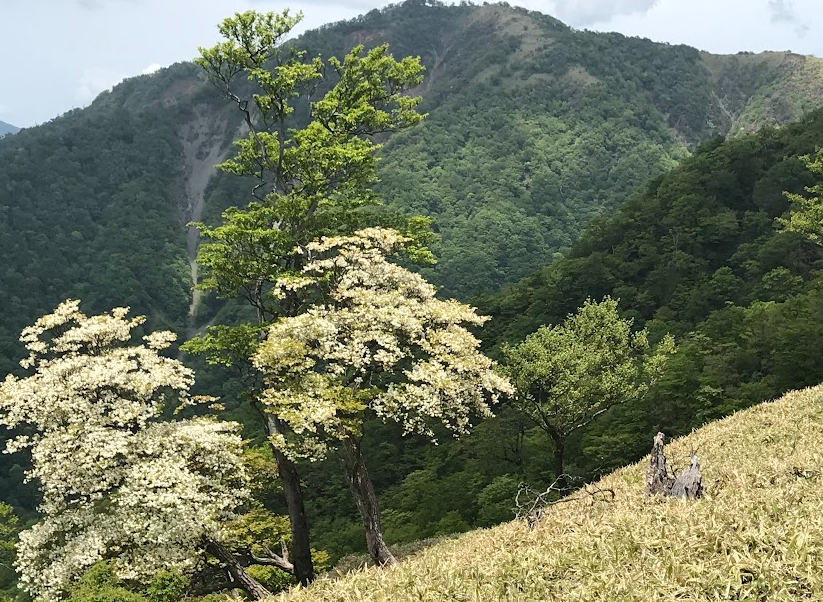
point(657, 475)
point(687, 486)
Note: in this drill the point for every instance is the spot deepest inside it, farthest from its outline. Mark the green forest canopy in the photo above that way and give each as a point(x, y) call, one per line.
point(92, 207)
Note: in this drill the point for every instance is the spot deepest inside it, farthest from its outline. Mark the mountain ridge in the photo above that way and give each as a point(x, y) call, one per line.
point(7, 128)
point(94, 205)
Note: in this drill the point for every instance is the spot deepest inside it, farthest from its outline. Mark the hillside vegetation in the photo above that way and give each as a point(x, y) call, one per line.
point(533, 129)
point(696, 254)
point(94, 205)
point(756, 535)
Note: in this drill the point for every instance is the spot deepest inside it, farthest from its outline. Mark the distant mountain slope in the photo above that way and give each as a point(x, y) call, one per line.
point(695, 253)
point(753, 537)
point(7, 128)
point(534, 128)
point(691, 241)
point(92, 206)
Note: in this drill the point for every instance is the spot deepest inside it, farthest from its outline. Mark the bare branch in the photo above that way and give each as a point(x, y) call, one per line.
point(272, 559)
point(532, 508)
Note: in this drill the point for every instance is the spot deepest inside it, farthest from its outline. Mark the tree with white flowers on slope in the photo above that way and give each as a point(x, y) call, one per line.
point(313, 175)
point(373, 340)
point(118, 485)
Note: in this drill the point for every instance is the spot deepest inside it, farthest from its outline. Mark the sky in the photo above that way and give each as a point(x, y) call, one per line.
point(56, 55)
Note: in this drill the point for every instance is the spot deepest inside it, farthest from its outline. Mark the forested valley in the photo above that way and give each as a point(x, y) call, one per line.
point(583, 190)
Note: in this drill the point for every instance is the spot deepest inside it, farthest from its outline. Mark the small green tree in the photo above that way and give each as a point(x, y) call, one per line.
point(568, 375)
point(806, 216)
point(8, 528)
point(311, 180)
point(375, 342)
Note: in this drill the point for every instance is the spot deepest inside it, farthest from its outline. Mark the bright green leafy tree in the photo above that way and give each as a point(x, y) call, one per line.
point(806, 216)
point(568, 375)
point(313, 170)
point(8, 525)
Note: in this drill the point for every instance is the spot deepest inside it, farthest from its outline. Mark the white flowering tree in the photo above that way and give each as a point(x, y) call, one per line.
point(373, 340)
point(117, 484)
point(308, 181)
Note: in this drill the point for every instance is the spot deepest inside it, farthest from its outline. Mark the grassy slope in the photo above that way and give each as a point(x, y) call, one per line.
point(757, 534)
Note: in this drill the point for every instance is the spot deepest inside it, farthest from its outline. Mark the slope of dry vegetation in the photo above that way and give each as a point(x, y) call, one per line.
point(756, 535)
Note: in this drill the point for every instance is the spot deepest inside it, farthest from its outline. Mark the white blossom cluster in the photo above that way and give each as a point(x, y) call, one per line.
point(117, 484)
point(378, 339)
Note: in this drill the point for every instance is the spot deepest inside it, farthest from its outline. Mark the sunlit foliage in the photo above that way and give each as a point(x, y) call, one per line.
point(116, 483)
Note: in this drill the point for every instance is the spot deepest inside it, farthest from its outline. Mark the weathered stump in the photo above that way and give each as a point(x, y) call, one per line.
point(687, 486)
point(657, 475)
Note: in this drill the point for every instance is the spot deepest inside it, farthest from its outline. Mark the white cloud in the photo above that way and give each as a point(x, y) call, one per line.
point(783, 11)
point(153, 68)
point(95, 4)
point(93, 81)
point(587, 12)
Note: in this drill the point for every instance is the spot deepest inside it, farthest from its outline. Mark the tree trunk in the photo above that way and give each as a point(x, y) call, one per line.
point(363, 492)
point(290, 480)
point(240, 578)
point(560, 476)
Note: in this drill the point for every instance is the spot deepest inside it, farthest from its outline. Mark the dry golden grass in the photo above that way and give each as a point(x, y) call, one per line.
point(756, 535)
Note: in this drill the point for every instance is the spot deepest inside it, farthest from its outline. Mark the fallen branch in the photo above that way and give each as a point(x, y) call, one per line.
point(531, 505)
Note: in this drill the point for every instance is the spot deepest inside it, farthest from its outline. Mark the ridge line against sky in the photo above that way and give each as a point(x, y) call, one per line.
point(84, 47)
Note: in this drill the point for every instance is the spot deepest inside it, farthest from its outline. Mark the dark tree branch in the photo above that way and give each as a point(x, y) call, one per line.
point(534, 505)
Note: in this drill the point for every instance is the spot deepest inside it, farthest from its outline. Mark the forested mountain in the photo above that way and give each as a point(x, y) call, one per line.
point(7, 128)
point(533, 130)
point(697, 254)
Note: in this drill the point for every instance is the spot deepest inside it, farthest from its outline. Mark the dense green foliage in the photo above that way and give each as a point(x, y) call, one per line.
point(569, 374)
point(533, 130)
point(8, 533)
point(312, 176)
point(806, 216)
point(508, 182)
point(100, 584)
point(698, 253)
point(90, 207)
